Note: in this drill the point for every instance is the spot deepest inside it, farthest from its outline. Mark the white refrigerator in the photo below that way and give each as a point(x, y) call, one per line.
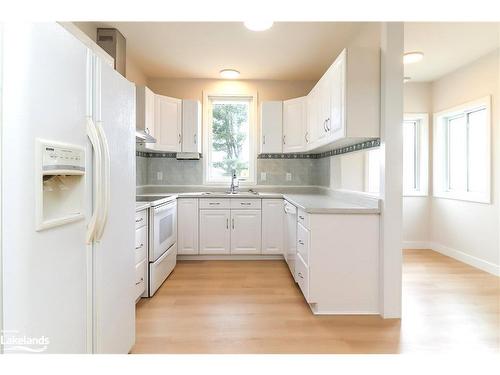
point(68, 239)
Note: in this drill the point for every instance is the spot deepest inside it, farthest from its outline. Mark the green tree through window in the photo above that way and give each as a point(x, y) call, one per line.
point(229, 134)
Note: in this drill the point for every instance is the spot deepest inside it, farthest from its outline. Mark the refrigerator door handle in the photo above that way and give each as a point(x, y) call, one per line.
point(105, 182)
point(94, 140)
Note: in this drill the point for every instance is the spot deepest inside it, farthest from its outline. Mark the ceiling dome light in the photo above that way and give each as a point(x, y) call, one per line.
point(406, 79)
point(412, 57)
point(229, 73)
point(258, 25)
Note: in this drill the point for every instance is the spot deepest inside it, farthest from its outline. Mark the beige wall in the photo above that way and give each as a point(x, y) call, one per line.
point(186, 88)
point(133, 72)
point(471, 228)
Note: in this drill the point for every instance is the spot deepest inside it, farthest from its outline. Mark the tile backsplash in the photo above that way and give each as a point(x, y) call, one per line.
point(170, 171)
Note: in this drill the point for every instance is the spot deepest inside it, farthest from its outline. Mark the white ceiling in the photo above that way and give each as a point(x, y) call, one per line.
point(287, 51)
point(291, 50)
point(447, 46)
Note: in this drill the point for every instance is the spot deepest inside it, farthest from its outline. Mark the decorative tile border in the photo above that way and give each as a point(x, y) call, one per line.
point(338, 151)
point(145, 154)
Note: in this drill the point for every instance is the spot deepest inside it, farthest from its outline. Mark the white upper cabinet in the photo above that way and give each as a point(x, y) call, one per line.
point(294, 125)
point(145, 109)
point(271, 124)
point(191, 126)
point(344, 106)
point(168, 124)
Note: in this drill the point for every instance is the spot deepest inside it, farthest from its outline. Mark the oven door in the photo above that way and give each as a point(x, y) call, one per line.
point(164, 227)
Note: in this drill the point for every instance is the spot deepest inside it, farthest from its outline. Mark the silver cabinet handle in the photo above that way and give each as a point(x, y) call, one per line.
point(142, 279)
point(263, 139)
point(180, 137)
point(227, 223)
point(195, 138)
point(305, 136)
point(301, 242)
point(301, 217)
point(232, 222)
point(139, 247)
point(245, 203)
point(284, 137)
point(300, 275)
point(139, 220)
point(324, 126)
point(328, 128)
point(213, 203)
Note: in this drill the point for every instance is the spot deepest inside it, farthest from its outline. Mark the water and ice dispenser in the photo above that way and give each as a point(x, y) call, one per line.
point(60, 184)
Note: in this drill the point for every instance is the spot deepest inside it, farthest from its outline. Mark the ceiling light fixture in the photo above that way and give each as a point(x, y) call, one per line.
point(412, 57)
point(258, 25)
point(229, 73)
point(406, 79)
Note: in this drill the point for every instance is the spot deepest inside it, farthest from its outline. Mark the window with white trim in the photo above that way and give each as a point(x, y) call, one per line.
point(229, 139)
point(415, 154)
point(462, 152)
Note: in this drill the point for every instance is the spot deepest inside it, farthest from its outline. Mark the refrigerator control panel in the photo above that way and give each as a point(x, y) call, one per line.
point(57, 159)
point(60, 181)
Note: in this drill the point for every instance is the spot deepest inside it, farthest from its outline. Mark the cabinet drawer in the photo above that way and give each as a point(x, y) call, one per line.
point(303, 218)
point(246, 203)
point(302, 276)
point(141, 218)
point(141, 244)
point(140, 278)
point(303, 243)
point(215, 203)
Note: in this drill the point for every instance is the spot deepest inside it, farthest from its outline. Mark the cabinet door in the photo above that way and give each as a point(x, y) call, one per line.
point(313, 129)
point(324, 86)
point(187, 226)
point(272, 226)
point(294, 125)
point(215, 235)
point(191, 126)
point(336, 125)
point(245, 231)
point(149, 111)
point(168, 113)
point(271, 122)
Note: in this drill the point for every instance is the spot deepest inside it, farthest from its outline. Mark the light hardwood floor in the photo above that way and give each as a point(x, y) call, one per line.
point(255, 307)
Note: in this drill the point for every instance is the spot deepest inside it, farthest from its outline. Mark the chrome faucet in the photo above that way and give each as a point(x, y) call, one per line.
point(233, 189)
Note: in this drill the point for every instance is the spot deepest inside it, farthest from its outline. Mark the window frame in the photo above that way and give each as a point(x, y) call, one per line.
point(207, 131)
point(441, 177)
point(422, 160)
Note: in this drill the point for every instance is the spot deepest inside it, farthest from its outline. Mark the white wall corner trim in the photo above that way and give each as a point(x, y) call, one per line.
point(391, 168)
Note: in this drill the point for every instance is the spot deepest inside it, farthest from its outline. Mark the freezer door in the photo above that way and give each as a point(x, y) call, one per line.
point(114, 252)
point(46, 273)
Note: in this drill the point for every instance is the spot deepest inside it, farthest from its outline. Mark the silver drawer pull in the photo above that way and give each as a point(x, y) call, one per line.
point(139, 247)
point(213, 203)
point(139, 282)
point(245, 204)
point(300, 275)
point(301, 217)
point(139, 220)
point(300, 242)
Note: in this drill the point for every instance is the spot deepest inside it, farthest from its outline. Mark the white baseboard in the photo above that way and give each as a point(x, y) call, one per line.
point(471, 260)
point(229, 257)
point(416, 245)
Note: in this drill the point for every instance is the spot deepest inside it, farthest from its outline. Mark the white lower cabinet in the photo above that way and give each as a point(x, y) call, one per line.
point(215, 235)
point(187, 226)
point(245, 231)
point(272, 226)
point(141, 252)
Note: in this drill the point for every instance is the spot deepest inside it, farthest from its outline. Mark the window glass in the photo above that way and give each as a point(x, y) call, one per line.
point(457, 153)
